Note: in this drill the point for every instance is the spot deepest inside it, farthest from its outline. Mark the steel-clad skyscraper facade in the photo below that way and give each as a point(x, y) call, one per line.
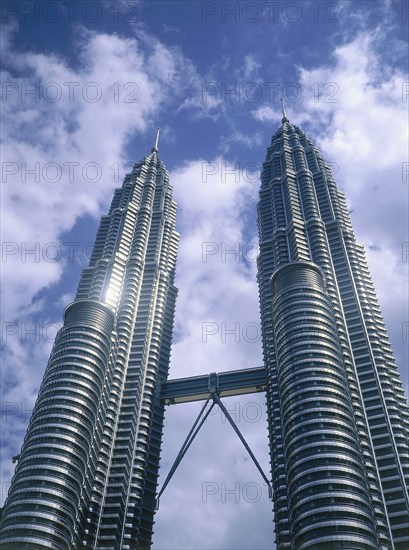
point(87, 472)
point(338, 419)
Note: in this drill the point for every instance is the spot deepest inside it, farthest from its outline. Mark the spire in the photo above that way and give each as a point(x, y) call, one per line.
point(155, 148)
point(285, 118)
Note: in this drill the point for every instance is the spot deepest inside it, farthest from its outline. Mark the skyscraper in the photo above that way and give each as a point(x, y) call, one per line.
point(338, 419)
point(86, 477)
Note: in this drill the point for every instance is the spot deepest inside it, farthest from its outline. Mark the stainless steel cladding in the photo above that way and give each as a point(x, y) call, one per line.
point(88, 469)
point(338, 418)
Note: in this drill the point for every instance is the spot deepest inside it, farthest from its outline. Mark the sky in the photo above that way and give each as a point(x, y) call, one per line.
point(84, 87)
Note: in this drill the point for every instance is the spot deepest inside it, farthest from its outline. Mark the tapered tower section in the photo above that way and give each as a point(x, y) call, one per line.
point(87, 473)
point(338, 419)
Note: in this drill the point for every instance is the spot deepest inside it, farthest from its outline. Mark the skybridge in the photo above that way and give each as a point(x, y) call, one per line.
point(225, 384)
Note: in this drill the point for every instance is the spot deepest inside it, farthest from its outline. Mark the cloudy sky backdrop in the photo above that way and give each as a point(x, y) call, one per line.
point(84, 86)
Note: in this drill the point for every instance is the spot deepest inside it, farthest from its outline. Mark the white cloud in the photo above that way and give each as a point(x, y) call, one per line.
point(116, 91)
point(218, 291)
point(266, 113)
point(251, 68)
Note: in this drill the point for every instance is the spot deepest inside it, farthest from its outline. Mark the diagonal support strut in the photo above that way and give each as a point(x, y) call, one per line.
point(216, 399)
point(213, 395)
point(188, 441)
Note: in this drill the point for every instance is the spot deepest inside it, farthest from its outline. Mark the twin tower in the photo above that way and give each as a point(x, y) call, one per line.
point(338, 421)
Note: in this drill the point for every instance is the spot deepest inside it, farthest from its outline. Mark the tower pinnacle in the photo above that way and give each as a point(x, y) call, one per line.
point(155, 148)
point(285, 118)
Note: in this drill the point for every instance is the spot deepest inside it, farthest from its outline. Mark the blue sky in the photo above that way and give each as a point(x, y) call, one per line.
point(103, 76)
